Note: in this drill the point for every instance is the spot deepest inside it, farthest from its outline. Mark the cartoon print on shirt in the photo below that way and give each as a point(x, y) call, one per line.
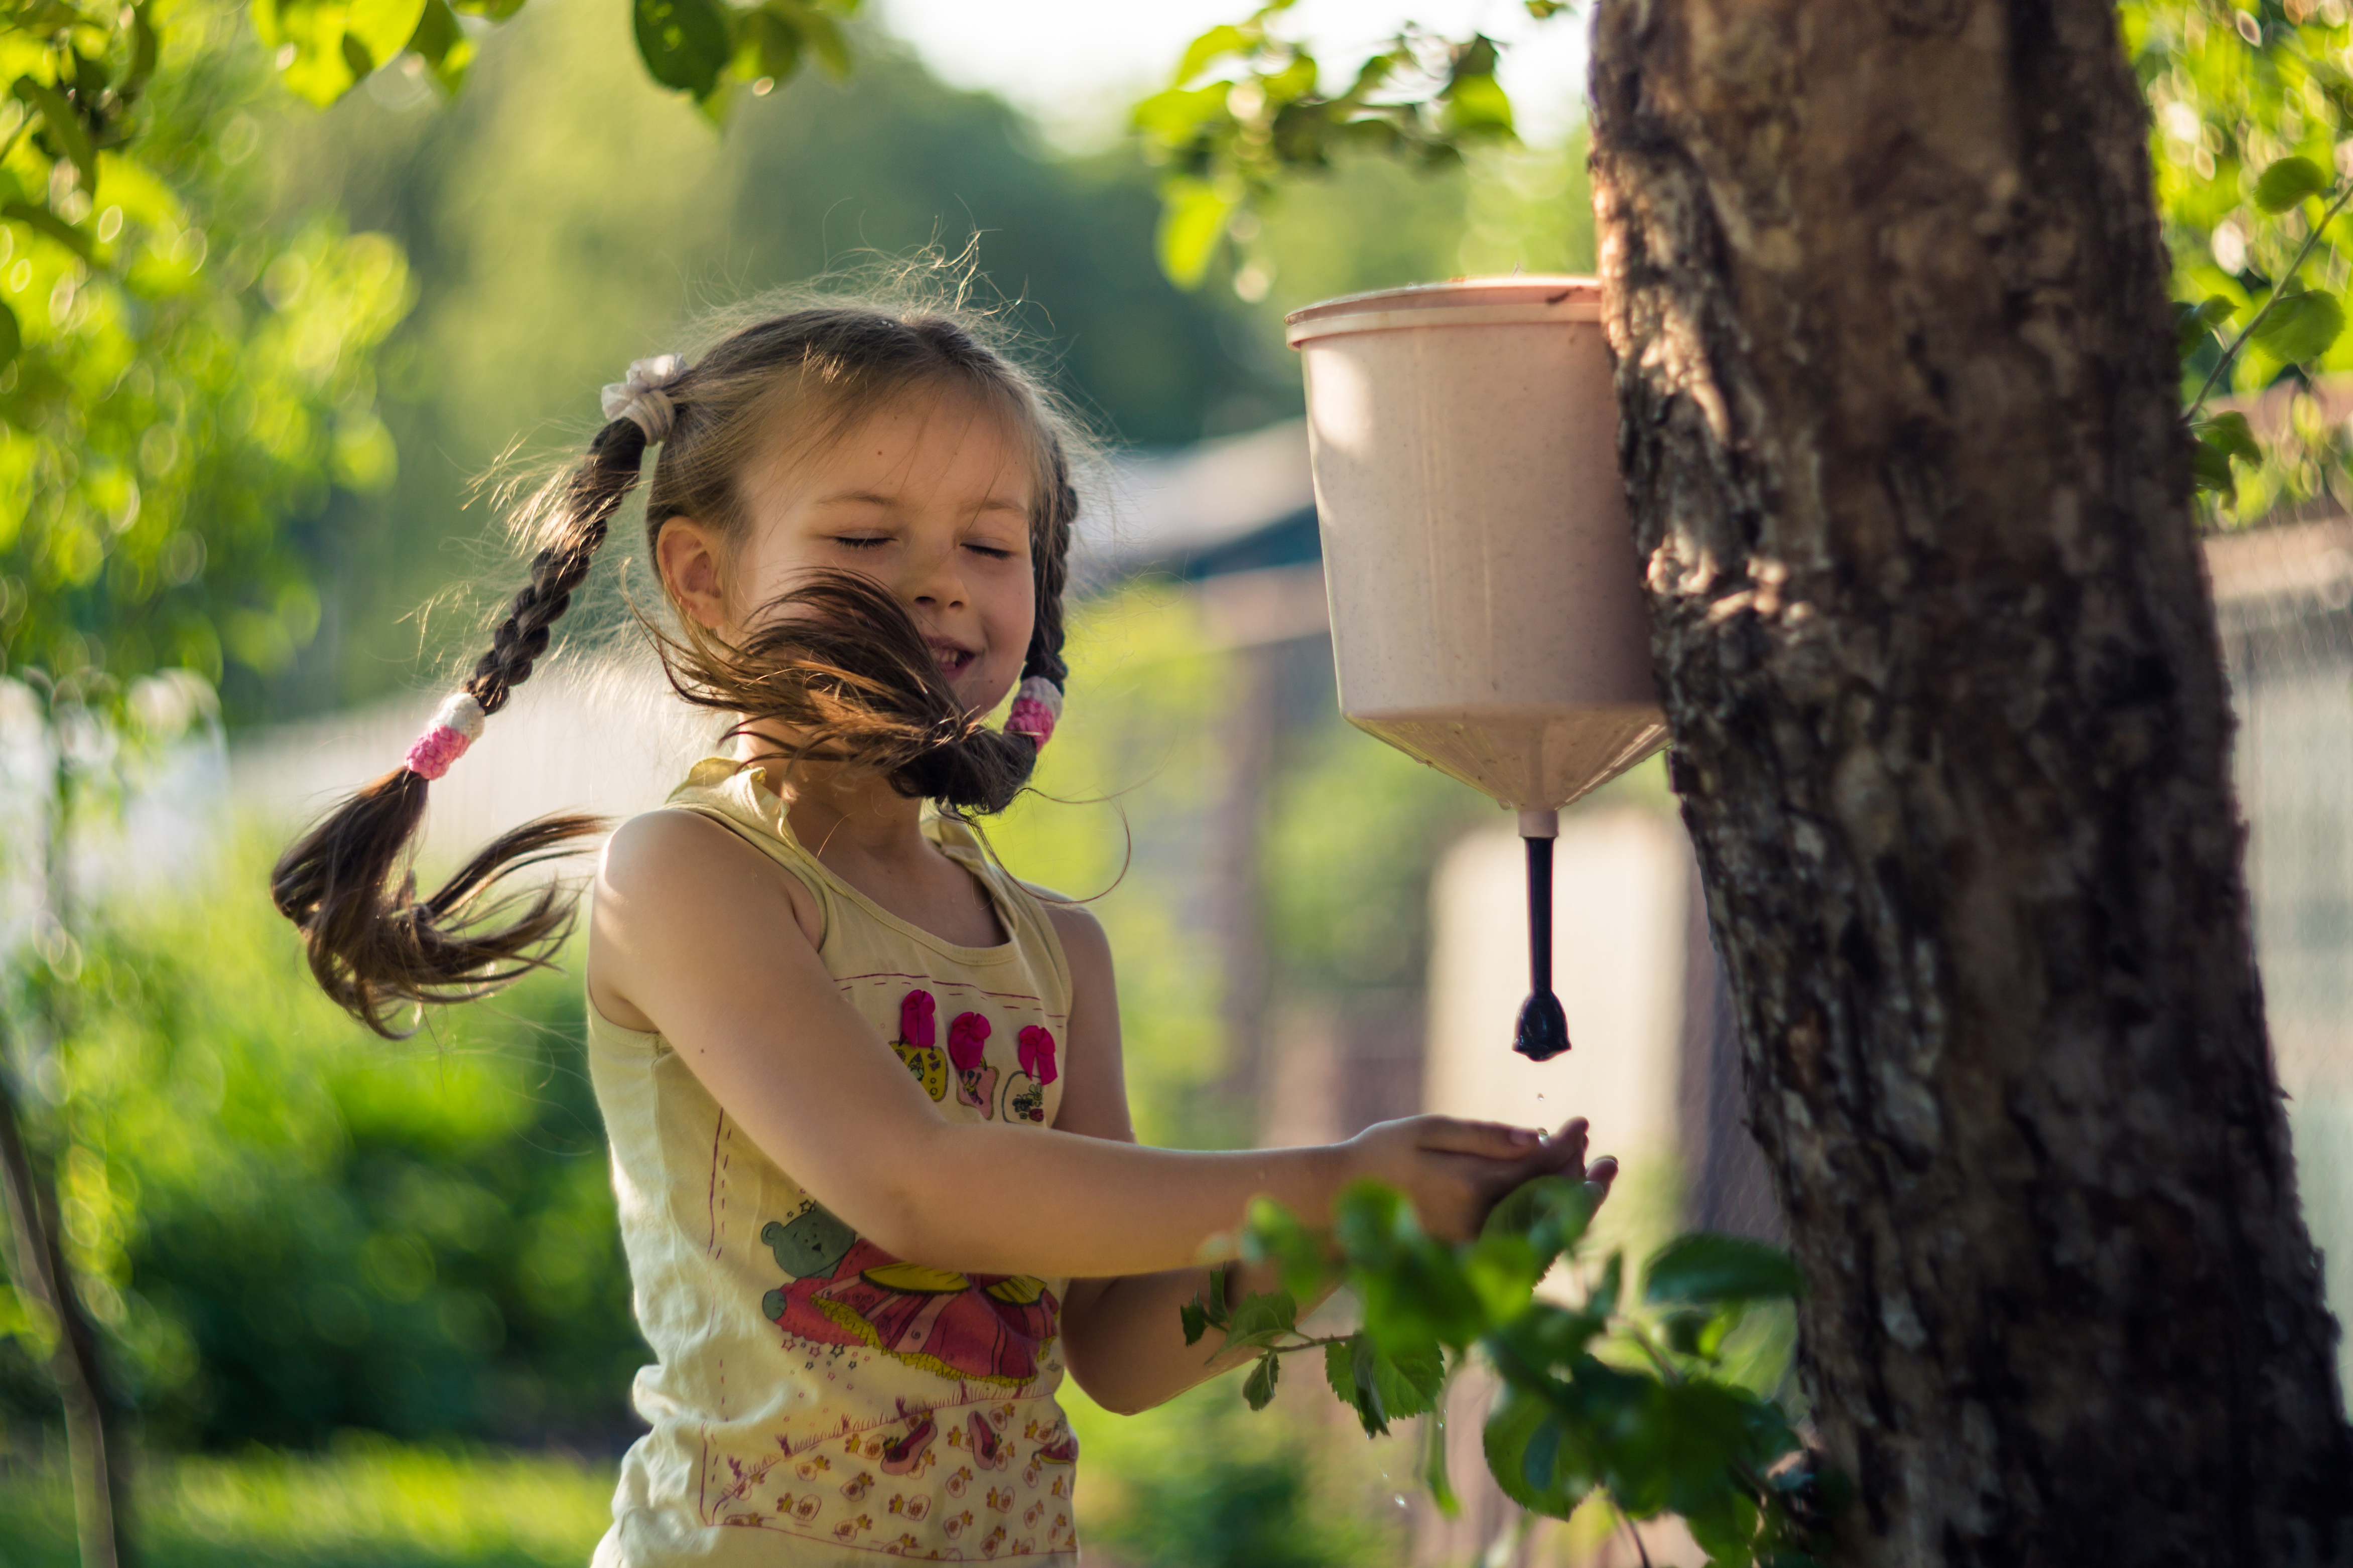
point(1025, 1091)
point(906, 1452)
point(943, 1477)
point(967, 1043)
point(988, 1450)
point(915, 1044)
point(845, 1291)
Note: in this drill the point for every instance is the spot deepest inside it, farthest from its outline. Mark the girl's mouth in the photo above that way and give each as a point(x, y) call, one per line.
point(953, 658)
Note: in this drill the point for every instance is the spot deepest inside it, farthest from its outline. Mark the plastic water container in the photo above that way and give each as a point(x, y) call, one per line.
point(1485, 595)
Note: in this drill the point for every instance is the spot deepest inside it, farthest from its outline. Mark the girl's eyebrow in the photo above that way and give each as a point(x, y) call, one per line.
point(870, 498)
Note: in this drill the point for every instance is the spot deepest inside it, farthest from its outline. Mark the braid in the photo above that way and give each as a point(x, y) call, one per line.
point(374, 945)
point(596, 492)
point(1051, 555)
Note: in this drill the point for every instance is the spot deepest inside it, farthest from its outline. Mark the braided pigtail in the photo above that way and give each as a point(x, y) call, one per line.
point(1038, 700)
point(374, 945)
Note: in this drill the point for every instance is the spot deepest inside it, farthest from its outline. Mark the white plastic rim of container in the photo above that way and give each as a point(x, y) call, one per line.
point(1487, 599)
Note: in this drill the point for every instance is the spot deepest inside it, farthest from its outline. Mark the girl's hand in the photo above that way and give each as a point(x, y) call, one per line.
point(1455, 1171)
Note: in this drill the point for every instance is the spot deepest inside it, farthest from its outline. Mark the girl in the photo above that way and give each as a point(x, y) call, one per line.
point(877, 1181)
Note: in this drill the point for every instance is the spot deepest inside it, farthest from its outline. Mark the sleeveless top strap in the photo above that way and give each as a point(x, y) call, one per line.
point(732, 797)
point(1024, 903)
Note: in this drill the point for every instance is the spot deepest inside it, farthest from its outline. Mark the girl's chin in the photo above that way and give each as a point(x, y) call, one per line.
point(980, 691)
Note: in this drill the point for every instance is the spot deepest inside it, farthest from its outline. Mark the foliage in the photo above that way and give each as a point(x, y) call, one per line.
point(177, 382)
point(290, 1228)
point(703, 49)
point(367, 1504)
point(1200, 1483)
point(2250, 102)
point(1245, 109)
point(1629, 1395)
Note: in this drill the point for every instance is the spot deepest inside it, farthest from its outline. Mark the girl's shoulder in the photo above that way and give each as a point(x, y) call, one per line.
point(694, 848)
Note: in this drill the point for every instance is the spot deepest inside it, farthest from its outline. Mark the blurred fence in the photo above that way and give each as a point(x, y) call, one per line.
point(2285, 597)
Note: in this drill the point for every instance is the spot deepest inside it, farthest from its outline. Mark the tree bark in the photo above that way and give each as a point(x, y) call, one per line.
point(1899, 426)
point(38, 1264)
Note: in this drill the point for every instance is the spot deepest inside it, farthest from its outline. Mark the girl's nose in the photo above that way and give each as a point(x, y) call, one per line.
point(931, 580)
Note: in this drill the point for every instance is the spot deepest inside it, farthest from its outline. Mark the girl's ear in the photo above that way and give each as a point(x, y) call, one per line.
point(688, 556)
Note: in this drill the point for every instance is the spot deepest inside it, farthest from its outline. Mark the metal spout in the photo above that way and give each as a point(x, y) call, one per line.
point(1543, 1033)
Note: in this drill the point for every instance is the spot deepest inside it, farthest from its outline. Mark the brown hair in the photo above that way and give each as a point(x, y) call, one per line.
point(838, 658)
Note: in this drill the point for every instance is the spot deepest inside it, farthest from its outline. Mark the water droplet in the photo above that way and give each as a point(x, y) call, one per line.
point(1398, 1499)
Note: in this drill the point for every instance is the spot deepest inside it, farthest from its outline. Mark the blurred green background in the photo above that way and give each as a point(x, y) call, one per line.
point(367, 1300)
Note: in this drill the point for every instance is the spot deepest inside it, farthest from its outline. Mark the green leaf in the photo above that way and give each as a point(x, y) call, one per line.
point(1260, 1388)
point(766, 45)
point(1195, 1321)
point(64, 126)
point(50, 224)
point(2301, 325)
point(1503, 1271)
point(819, 34)
point(1214, 1299)
point(2287, 182)
point(2191, 324)
point(2220, 439)
point(2210, 469)
point(1380, 1388)
point(1193, 215)
point(1225, 39)
point(1273, 1234)
point(12, 337)
point(1261, 1320)
point(1604, 1297)
point(1371, 1222)
point(1709, 1270)
point(1525, 1441)
point(381, 29)
point(1477, 107)
point(684, 43)
point(2232, 434)
point(1340, 1372)
point(1726, 1530)
point(443, 45)
point(1175, 118)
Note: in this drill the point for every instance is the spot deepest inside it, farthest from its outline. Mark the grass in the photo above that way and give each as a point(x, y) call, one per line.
point(364, 1505)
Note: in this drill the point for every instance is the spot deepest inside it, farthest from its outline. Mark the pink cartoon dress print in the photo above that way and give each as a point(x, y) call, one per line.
point(965, 1348)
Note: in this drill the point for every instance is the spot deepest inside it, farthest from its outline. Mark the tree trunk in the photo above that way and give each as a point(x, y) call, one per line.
point(39, 1267)
point(1900, 431)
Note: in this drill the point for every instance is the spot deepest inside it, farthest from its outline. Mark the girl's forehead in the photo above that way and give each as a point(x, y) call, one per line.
point(920, 439)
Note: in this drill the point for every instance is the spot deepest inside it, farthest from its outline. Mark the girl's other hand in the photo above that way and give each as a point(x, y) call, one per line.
point(1455, 1171)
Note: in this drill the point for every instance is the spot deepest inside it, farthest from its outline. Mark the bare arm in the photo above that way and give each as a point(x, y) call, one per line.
point(697, 934)
point(1123, 1337)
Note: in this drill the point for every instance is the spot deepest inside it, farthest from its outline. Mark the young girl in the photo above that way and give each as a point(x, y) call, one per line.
point(877, 1181)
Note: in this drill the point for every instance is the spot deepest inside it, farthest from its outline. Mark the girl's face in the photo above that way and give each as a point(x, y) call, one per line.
point(930, 496)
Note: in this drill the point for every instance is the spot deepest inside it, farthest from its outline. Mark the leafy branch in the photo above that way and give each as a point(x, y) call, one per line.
point(1629, 1399)
point(1245, 109)
point(2295, 324)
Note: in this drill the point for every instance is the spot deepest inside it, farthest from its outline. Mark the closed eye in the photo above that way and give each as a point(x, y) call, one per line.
point(993, 552)
point(862, 541)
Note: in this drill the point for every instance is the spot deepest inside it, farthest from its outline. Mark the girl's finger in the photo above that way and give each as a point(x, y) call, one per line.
point(1562, 1154)
point(1489, 1139)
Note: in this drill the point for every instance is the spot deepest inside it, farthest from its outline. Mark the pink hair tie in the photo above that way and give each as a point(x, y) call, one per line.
point(457, 725)
point(1036, 707)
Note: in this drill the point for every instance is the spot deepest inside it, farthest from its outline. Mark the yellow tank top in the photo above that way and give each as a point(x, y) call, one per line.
point(814, 1399)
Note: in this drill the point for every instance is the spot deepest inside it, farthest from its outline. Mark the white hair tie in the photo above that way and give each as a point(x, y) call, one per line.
point(641, 397)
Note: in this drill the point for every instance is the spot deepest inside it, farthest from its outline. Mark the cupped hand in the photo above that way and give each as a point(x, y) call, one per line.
point(1455, 1171)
